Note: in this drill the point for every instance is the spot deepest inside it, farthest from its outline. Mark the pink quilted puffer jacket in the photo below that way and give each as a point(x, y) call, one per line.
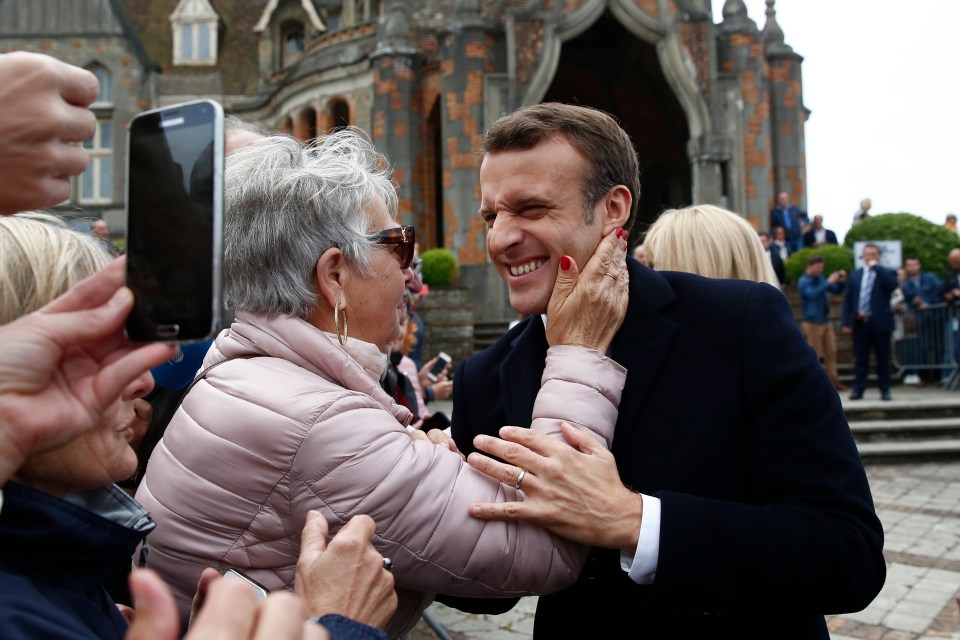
point(262, 440)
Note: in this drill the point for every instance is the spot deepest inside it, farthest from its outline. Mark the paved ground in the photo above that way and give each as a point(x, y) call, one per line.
point(919, 505)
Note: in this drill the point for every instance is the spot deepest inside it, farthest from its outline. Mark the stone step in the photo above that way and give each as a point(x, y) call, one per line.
point(909, 451)
point(869, 431)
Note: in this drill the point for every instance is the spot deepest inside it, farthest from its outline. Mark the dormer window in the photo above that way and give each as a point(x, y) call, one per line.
point(194, 24)
point(293, 42)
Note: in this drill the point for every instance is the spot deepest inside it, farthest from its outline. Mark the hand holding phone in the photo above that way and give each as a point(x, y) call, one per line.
point(443, 360)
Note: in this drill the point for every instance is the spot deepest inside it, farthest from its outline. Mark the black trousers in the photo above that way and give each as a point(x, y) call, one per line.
point(866, 336)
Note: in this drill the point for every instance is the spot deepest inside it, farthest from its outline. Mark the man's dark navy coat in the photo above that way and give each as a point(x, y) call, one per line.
point(727, 417)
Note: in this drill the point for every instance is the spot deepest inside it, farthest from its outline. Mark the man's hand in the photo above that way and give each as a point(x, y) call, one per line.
point(424, 372)
point(346, 577)
point(442, 389)
point(586, 309)
point(44, 104)
point(574, 491)
point(63, 365)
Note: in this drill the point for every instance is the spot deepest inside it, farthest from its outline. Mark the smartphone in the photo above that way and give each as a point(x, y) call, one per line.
point(174, 241)
point(259, 591)
point(442, 361)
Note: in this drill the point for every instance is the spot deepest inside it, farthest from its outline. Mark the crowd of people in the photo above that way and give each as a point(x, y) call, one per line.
point(630, 451)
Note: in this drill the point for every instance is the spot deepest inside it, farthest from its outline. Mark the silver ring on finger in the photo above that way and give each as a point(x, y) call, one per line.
point(520, 477)
point(387, 563)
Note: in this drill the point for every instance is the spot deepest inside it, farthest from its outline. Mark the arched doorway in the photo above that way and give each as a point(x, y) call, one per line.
point(611, 69)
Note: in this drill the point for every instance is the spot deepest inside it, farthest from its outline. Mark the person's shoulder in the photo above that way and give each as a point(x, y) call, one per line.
point(692, 290)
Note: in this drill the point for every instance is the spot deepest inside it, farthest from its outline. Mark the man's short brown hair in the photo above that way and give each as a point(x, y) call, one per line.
point(815, 259)
point(594, 133)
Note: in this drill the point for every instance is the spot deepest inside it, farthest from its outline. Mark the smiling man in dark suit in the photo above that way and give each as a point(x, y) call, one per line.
point(734, 501)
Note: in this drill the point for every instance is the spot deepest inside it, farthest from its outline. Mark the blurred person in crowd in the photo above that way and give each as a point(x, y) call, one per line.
point(868, 316)
point(817, 235)
point(791, 218)
point(951, 222)
point(315, 268)
point(950, 293)
point(815, 310)
point(640, 255)
point(921, 289)
point(863, 212)
point(710, 241)
point(725, 412)
point(780, 243)
point(774, 256)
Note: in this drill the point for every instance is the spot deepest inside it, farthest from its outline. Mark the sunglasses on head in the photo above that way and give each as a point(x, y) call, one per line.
point(402, 240)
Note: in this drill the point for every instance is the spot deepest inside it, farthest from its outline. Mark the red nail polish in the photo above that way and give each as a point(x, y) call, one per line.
point(564, 263)
point(621, 233)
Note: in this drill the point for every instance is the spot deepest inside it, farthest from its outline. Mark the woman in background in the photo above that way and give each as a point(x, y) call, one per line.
point(709, 241)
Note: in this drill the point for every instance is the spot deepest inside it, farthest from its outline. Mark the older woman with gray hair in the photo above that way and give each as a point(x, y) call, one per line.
point(288, 414)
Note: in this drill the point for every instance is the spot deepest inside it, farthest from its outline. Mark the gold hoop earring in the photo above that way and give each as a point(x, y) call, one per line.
point(342, 337)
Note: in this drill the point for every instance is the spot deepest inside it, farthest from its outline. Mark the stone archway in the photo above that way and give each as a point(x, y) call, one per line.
point(611, 69)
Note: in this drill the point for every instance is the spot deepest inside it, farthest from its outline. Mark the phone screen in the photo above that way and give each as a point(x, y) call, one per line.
point(442, 361)
point(174, 222)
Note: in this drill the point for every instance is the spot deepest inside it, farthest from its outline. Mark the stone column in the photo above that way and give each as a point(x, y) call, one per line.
point(397, 117)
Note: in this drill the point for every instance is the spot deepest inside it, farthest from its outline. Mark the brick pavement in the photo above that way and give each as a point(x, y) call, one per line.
point(919, 506)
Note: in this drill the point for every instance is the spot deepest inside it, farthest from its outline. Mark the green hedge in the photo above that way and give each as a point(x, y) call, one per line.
point(440, 267)
point(919, 237)
point(835, 258)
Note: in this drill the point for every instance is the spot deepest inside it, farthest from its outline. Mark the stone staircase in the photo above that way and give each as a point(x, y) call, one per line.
point(919, 424)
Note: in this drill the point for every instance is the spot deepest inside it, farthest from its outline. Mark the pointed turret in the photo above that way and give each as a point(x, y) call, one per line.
point(773, 40)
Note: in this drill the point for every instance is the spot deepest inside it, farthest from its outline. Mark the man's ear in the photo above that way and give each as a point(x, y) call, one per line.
point(616, 208)
point(330, 273)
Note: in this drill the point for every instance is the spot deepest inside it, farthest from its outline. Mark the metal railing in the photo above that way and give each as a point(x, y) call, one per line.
point(926, 339)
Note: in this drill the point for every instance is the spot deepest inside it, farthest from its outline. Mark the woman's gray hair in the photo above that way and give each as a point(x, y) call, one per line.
point(285, 205)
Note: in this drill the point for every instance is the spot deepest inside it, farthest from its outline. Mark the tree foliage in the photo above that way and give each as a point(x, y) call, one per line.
point(835, 258)
point(919, 237)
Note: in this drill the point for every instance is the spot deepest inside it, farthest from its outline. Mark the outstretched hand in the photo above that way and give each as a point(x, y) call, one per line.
point(346, 576)
point(574, 491)
point(587, 308)
point(63, 365)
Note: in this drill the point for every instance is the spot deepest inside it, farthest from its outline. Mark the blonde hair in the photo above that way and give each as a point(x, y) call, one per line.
point(708, 241)
point(40, 258)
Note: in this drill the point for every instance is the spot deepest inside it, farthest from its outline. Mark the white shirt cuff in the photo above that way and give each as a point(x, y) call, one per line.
point(642, 565)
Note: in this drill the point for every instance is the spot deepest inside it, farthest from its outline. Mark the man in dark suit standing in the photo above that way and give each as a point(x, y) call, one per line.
point(734, 500)
point(774, 256)
point(867, 314)
point(791, 218)
point(817, 236)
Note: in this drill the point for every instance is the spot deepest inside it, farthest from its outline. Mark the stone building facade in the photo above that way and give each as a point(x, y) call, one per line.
point(715, 109)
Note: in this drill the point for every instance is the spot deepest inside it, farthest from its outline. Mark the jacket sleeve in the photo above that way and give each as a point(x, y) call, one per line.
point(810, 290)
point(358, 459)
point(805, 536)
point(849, 309)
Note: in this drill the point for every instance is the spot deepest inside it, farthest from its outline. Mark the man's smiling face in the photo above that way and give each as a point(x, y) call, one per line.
point(532, 202)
